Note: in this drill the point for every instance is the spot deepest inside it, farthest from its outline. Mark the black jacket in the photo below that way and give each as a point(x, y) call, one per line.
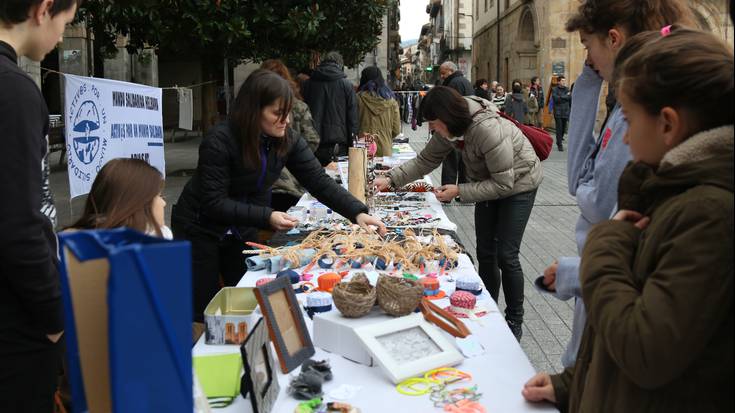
point(333, 105)
point(458, 82)
point(30, 292)
point(562, 97)
point(224, 194)
point(482, 93)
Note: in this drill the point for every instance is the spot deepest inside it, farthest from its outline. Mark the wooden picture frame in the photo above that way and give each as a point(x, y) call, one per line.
point(408, 346)
point(285, 322)
point(443, 319)
point(260, 377)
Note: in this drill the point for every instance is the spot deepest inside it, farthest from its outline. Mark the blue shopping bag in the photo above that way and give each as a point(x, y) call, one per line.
point(127, 304)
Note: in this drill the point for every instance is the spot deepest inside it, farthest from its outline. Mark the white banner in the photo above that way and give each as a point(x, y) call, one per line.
point(108, 119)
point(186, 108)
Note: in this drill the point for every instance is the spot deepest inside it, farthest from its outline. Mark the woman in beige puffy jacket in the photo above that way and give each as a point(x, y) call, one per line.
point(504, 174)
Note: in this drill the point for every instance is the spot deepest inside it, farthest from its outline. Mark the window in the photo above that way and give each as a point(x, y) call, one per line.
point(485, 6)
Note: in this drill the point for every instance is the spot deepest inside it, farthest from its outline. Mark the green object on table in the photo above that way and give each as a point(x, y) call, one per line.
point(309, 406)
point(219, 374)
point(410, 276)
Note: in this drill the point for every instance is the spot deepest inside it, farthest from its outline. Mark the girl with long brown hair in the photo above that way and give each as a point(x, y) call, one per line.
point(228, 198)
point(595, 162)
point(126, 193)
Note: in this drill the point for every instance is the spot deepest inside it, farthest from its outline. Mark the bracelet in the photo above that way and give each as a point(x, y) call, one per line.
point(416, 386)
point(447, 375)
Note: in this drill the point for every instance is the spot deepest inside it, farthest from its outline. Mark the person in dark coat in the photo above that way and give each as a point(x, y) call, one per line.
point(562, 97)
point(31, 309)
point(481, 87)
point(453, 169)
point(333, 105)
point(228, 198)
point(515, 104)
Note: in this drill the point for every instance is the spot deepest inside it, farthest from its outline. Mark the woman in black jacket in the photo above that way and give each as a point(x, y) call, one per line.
point(228, 197)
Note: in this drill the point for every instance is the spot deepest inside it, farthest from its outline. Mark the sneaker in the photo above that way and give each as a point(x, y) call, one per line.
point(516, 328)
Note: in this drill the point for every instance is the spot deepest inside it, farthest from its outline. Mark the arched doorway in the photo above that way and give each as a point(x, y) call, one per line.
point(526, 46)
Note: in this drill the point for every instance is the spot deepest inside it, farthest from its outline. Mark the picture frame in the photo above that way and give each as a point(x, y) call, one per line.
point(408, 346)
point(285, 321)
point(260, 377)
point(443, 319)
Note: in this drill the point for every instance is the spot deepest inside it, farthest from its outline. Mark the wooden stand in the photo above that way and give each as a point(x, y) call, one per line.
point(357, 172)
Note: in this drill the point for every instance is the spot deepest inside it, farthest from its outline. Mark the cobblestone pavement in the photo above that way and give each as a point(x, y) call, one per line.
point(549, 234)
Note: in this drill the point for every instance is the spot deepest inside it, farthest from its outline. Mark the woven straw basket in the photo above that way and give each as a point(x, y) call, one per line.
point(398, 296)
point(356, 298)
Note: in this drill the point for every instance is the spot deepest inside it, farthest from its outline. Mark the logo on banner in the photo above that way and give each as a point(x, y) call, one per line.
point(87, 140)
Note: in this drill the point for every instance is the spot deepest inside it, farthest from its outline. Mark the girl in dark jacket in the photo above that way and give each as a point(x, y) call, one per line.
point(228, 198)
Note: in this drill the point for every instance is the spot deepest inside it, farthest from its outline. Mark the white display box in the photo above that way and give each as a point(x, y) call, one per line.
point(335, 333)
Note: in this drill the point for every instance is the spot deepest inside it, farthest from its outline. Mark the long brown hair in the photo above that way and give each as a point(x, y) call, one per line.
point(122, 196)
point(277, 66)
point(261, 89)
point(687, 69)
point(634, 16)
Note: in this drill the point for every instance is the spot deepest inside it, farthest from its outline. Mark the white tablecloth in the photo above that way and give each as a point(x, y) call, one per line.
point(499, 373)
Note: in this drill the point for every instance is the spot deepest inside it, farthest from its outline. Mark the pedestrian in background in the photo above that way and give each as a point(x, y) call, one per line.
point(657, 279)
point(333, 104)
point(453, 168)
point(503, 173)
point(538, 91)
point(562, 97)
point(286, 190)
point(515, 103)
point(31, 321)
point(533, 107)
point(499, 97)
point(378, 110)
point(481, 87)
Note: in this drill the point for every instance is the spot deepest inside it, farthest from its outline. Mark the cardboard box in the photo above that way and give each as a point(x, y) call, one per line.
point(336, 334)
point(229, 316)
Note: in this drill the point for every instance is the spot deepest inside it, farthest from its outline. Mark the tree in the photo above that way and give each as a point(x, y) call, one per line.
point(295, 30)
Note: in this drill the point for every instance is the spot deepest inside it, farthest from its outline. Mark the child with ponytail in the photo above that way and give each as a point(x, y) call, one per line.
point(657, 279)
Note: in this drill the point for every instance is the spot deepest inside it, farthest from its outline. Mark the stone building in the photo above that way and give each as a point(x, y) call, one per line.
point(533, 41)
point(449, 34)
point(387, 54)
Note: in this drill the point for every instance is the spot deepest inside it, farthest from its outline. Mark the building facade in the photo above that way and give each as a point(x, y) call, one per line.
point(449, 36)
point(387, 54)
point(519, 39)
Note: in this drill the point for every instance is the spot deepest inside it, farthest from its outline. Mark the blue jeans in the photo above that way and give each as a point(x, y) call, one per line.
point(499, 228)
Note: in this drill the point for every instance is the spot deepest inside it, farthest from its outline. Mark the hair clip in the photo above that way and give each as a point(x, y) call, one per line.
point(665, 31)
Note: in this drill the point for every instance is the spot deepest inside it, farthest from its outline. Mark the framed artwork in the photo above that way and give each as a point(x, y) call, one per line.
point(285, 323)
point(408, 346)
point(260, 376)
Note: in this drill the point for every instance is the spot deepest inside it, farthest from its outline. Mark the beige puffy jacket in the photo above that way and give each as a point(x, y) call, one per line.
point(499, 160)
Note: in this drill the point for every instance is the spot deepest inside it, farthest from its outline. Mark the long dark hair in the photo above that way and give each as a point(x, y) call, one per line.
point(122, 196)
point(635, 16)
point(445, 104)
point(261, 89)
point(371, 80)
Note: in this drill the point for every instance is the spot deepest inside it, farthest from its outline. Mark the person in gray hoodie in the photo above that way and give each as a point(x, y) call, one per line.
point(595, 162)
point(515, 103)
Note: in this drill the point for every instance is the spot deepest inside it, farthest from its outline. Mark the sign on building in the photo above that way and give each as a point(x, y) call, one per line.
point(108, 119)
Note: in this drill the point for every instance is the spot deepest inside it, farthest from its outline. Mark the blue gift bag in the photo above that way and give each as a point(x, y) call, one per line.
point(127, 304)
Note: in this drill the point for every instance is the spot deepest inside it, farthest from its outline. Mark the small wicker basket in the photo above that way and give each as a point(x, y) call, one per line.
point(398, 296)
point(356, 298)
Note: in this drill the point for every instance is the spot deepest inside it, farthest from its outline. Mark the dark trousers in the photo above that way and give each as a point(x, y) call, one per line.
point(561, 129)
point(325, 153)
point(214, 263)
point(499, 228)
point(282, 202)
point(453, 171)
point(28, 381)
